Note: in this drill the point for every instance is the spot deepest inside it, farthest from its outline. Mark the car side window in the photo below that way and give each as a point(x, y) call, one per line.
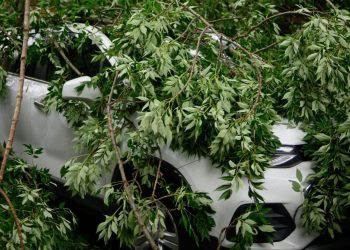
point(80, 54)
point(81, 51)
point(37, 66)
point(82, 57)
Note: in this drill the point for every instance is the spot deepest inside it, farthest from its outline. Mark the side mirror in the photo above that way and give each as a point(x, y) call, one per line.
point(88, 94)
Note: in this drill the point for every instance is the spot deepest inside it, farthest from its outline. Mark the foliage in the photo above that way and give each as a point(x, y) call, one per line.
point(251, 225)
point(192, 103)
point(201, 95)
point(318, 76)
point(194, 211)
point(44, 226)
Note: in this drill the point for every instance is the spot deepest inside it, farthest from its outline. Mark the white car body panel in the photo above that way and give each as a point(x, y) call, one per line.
point(88, 94)
point(52, 132)
point(49, 131)
point(294, 136)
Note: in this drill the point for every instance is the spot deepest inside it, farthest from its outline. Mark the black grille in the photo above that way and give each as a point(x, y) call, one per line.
point(276, 214)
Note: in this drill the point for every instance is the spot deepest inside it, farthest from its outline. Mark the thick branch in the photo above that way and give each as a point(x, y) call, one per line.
point(19, 91)
point(13, 211)
point(16, 115)
point(126, 186)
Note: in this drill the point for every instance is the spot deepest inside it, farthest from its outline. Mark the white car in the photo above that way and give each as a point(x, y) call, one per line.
point(51, 132)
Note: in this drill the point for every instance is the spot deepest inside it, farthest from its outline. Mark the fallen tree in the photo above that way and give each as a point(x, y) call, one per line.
point(220, 101)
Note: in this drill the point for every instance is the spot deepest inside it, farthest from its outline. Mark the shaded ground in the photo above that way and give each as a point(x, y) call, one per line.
point(84, 236)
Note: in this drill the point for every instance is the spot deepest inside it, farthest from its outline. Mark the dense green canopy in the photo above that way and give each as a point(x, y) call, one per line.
point(253, 62)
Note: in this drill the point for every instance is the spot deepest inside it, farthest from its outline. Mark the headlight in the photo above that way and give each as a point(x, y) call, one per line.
point(286, 157)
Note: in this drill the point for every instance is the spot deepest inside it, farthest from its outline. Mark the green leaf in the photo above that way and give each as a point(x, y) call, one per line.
point(267, 228)
point(238, 226)
point(296, 186)
point(223, 187)
point(250, 222)
point(143, 29)
point(322, 137)
point(114, 228)
point(225, 195)
point(324, 149)
point(312, 56)
point(343, 42)
point(314, 47)
point(299, 175)
point(246, 228)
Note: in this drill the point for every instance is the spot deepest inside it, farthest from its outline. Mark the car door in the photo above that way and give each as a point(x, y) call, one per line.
point(49, 131)
point(34, 124)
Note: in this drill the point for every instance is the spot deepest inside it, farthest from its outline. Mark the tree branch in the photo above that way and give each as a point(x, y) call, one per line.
point(252, 56)
point(158, 173)
point(194, 61)
point(16, 113)
point(65, 58)
point(19, 95)
point(13, 211)
point(98, 19)
point(331, 4)
point(126, 186)
point(223, 232)
point(267, 19)
point(265, 48)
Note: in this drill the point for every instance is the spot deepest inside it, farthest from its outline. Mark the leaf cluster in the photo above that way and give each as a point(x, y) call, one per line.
point(318, 78)
point(30, 189)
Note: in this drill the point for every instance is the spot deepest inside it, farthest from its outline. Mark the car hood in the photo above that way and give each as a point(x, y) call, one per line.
point(289, 134)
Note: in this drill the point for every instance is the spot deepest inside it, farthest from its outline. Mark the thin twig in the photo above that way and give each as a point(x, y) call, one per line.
point(221, 237)
point(158, 173)
point(126, 186)
point(267, 19)
point(13, 211)
point(225, 19)
point(221, 54)
point(131, 123)
point(98, 19)
point(223, 232)
point(252, 56)
point(331, 4)
point(65, 58)
point(186, 30)
point(258, 95)
point(265, 48)
point(194, 61)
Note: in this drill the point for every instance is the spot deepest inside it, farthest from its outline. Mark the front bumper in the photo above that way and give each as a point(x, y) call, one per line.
point(278, 190)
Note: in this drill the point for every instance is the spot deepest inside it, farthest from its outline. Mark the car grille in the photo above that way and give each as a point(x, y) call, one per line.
point(277, 215)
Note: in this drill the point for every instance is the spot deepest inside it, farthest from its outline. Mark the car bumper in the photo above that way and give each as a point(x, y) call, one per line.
point(278, 190)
